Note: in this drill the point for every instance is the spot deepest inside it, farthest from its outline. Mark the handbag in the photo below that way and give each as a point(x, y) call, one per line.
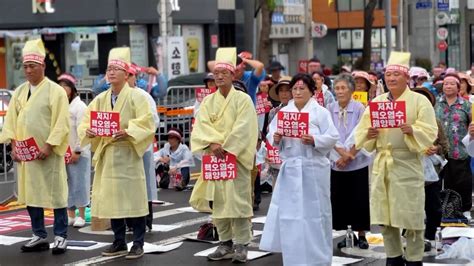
point(208, 232)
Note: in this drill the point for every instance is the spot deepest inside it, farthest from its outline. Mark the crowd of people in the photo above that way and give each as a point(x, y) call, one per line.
point(320, 177)
point(323, 180)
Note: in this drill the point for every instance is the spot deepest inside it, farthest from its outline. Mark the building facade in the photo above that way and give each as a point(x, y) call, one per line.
point(344, 20)
point(79, 34)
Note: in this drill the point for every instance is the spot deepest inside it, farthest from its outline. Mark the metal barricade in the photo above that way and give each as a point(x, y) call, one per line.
point(7, 176)
point(176, 110)
point(86, 95)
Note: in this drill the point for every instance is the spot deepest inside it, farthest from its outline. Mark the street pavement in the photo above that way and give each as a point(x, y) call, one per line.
point(170, 213)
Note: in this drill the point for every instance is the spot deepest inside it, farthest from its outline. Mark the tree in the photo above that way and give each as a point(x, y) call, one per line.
point(368, 22)
point(267, 7)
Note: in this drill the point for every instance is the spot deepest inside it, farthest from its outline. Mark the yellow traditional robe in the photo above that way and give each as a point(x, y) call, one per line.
point(231, 122)
point(397, 184)
point(45, 117)
point(119, 189)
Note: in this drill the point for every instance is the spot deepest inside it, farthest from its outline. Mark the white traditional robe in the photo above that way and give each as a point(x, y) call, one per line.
point(299, 220)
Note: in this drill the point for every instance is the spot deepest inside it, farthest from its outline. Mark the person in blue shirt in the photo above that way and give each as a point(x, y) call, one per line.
point(251, 78)
point(158, 89)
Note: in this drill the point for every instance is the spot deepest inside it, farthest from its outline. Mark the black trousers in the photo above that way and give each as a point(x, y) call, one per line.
point(138, 225)
point(432, 209)
point(457, 176)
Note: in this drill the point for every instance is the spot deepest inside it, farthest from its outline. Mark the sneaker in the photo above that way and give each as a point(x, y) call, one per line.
point(467, 215)
point(427, 246)
point(60, 245)
point(240, 254)
point(135, 252)
point(223, 252)
point(117, 248)
point(79, 222)
point(71, 221)
point(36, 244)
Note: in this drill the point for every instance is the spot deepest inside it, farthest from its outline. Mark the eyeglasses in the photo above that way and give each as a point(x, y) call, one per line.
point(114, 69)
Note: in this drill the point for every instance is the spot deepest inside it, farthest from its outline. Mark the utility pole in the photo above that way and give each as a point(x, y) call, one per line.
point(400, 25)
point(388, 26)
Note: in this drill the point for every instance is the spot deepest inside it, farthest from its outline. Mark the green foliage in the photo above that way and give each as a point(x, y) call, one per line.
point(271, 4)
point(424, 63)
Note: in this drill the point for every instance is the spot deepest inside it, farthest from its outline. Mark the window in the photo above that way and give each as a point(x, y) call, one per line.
point(355, 5)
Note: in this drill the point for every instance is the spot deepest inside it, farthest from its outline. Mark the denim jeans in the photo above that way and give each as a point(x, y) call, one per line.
point(138, 224)
point(37, 222)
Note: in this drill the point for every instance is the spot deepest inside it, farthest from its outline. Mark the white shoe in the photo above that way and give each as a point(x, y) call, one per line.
point(60, 245)
point(71, 220)
point(79, 222)
point(467, 215)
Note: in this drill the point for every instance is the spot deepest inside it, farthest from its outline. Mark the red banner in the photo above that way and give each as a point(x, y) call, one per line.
point(319, 98)
point(292, 124)
point(203, 92)
point(387, 114)
point(20, 221)
point(263, 104)
point(105, 124)
point(273, 155)
point(218, 169)
point(68, 155)
point(26, 150)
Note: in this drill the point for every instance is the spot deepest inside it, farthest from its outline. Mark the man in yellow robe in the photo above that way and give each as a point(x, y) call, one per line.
point(397, 182)
point(119, 189)
point(227, 123)
point(39, 108)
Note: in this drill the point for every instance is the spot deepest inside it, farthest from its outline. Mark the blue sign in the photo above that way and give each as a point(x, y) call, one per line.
point(443, 5)
point(424, 4)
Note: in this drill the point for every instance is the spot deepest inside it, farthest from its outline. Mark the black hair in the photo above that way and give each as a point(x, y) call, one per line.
point(71, 85)
point(307, 79)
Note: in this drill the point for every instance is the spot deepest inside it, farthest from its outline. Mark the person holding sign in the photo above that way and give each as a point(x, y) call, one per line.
point(363, 83)
point(349, 167)
point(455, 113)
point(39, 111)
point(301, 203)
point(397, 183)
point(119, 189)
point(79, 166)
point(322, 94)
point(227, 125)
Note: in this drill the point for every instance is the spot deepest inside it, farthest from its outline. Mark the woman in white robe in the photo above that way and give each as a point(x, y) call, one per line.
point(299, 221)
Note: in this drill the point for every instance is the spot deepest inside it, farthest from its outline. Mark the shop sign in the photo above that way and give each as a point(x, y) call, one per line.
point(42, 6)
point(287, 31)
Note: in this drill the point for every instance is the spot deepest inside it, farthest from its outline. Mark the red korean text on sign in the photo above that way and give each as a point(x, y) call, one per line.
point(292, 124)
point(387, 114)
point(219, 169)
point(68, 155)
point(105, 124)
point(263, 104)
point(319, 96)
point(203, 92)
point(26, 150)
point(273, 155)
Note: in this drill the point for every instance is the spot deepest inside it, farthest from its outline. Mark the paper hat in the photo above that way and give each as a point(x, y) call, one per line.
point(120, 57)
point(34, 51)
point(398, 61)
point(68, 77)
point(364, 75)
point(226, 58)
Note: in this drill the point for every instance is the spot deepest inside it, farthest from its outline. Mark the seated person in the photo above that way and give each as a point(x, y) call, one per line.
point(174, 159)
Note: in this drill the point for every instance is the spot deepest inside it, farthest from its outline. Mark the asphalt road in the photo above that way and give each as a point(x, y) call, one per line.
point(168, 215)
